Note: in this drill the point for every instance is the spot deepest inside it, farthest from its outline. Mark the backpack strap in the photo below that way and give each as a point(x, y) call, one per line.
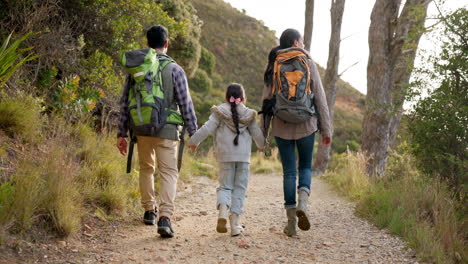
point(167, 65)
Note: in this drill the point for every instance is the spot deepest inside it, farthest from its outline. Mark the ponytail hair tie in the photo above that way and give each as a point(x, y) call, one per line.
point(234, 100)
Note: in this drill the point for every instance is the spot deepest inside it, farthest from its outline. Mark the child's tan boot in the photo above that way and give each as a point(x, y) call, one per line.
point(236, 227)
point(222, 219)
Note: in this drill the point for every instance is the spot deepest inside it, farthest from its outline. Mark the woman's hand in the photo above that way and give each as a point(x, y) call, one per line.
point(326, 141)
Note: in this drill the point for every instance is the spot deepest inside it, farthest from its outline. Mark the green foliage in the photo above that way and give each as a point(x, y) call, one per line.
point(99, 74)
point(207, 61)
point(10, 57)
point(438, 123)
point(21, 117)
point(125, 21)
point(67, 97)
point(185, 48)
point(200, 82)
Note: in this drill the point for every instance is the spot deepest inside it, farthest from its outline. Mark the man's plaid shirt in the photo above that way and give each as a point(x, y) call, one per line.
point(182, 98)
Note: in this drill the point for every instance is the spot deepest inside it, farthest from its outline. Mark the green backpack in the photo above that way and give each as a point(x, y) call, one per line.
point(147, 108)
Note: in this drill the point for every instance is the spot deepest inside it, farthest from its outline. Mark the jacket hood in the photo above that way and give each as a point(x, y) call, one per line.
point(246, 115)
point(294, 49)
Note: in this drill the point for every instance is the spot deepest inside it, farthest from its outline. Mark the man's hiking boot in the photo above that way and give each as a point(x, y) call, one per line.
point(150, 217)
point(222, 219)
point(164, 227)
point(301, 212)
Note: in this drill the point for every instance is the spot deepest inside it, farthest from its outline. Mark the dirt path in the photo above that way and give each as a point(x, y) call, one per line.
point(336, 236)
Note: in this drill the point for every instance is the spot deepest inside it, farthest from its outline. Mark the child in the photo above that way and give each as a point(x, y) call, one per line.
point(234, 126)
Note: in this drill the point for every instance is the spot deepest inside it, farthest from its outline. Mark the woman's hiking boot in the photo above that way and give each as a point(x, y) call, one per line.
point(290, 228)
point(236, 228)
point(301, 212)
point(222, 219)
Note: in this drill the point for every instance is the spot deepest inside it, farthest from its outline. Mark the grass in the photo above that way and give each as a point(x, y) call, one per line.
point(20, 116)
point(71, 171)
point(199, 164)
point(259, 163)
point(409, 204)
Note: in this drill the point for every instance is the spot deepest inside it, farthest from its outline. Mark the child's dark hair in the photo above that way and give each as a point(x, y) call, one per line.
point(237, 92)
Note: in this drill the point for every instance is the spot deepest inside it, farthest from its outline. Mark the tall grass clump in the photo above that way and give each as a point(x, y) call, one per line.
point(20, 117)
point(420, 209)
point(103, 181)
point(42, 190)
point(347, 174)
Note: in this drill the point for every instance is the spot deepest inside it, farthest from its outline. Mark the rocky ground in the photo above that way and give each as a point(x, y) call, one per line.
point(336, 236)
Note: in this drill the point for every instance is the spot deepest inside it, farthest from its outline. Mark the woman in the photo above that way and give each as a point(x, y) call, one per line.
point(300, 136)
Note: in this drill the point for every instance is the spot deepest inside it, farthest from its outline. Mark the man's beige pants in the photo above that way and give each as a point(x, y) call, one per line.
point(164, 151)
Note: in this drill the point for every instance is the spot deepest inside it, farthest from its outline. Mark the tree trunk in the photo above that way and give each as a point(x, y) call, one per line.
point(309, 24)
point(393, 42)
point(322, 158)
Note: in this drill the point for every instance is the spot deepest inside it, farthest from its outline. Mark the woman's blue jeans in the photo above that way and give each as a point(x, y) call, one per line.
point(305, 149)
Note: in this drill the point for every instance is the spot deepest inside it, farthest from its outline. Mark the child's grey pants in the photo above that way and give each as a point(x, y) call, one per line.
point(233, 180)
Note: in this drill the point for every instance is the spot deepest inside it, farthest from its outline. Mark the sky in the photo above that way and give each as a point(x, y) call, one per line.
point(278, 16)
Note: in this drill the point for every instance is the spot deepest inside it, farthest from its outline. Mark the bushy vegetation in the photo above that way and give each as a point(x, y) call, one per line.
point(438, 122)
point(408, 203)
point(63, 106)
point(72, 171)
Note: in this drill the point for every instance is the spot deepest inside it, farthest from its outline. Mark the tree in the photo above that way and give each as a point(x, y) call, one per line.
point(393, 42)
point(331, 77)
point(438, 123)
point(309, 24)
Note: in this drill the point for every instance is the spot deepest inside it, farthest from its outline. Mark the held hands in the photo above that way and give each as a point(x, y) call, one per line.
point(122, 145)
point(326, 141)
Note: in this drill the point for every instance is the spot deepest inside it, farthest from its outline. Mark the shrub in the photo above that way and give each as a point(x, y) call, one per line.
point(207, 61)
point(200, 82)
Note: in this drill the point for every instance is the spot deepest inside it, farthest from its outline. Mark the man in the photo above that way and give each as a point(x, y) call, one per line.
point(163, 146)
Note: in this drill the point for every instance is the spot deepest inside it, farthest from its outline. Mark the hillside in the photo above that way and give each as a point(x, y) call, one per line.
point(241, 44)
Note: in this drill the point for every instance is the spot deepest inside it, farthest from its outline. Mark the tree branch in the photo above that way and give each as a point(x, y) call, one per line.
point(352, 65)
